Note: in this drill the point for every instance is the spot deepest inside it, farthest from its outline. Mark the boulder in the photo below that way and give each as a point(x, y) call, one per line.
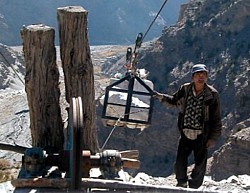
point(234, 157)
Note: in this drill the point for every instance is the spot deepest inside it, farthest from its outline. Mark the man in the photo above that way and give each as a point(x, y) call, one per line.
point(199, 123)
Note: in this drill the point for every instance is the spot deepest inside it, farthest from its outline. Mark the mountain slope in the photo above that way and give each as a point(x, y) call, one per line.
point(205, 38)
point(200, 35)
point(110, 21)
point(211, 32)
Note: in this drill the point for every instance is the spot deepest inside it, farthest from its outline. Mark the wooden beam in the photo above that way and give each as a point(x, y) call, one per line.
point(120, 185)
point(131, 163)
point(105, 185)
point(40, 183)
point(132, 154)
point(15, 148)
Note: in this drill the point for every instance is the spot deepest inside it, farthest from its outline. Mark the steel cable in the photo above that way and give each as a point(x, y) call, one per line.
point(154, 19)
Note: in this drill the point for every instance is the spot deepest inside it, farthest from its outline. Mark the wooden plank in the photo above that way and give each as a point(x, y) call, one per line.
point(133, 187)
point(105, 185)
point(41, 183)
point(45, 190)
point(132, 154)
point(131, 163)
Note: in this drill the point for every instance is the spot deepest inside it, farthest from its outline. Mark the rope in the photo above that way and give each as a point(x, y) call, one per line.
point(116, 124)
point(106, 141)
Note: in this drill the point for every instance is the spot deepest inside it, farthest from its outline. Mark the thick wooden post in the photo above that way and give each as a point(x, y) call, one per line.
point(41, 84)
point(77, 67)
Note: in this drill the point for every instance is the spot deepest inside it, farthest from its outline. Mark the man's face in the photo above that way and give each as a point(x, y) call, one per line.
point(200, 77)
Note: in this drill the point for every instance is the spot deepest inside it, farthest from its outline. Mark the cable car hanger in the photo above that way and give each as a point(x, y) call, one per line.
point(131, 58)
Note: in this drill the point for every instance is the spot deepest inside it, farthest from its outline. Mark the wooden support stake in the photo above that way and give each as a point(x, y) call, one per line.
point(41, 85)
point(78, 68)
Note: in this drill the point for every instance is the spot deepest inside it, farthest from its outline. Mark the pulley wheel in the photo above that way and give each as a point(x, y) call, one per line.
point(76, 130)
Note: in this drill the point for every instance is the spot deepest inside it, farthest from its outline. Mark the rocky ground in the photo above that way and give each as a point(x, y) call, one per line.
point(14, 126)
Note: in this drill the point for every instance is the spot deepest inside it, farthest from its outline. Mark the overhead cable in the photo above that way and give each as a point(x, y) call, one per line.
point(154, 19)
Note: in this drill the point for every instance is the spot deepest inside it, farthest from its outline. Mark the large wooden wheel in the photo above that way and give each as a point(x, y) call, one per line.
point(76, 138)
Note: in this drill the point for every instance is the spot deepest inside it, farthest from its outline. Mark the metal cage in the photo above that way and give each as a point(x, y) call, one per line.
point(128, 102)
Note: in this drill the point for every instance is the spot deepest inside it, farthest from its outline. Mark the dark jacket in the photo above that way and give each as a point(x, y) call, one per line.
point(211, 109)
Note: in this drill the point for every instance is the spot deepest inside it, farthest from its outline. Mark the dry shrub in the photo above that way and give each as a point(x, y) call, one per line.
point(5, 171)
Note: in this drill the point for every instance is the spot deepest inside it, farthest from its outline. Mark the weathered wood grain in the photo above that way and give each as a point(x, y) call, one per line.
point(78, 67)
point(41, 85)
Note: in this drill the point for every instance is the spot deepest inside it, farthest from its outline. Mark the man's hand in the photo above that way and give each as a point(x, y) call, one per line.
point(211, 143)
point(157, 95)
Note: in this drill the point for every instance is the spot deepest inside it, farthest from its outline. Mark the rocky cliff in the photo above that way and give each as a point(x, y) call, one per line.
point(233, 156)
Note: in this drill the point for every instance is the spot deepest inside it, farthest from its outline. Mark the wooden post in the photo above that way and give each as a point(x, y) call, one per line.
point(41, 84)
point(78, 68)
